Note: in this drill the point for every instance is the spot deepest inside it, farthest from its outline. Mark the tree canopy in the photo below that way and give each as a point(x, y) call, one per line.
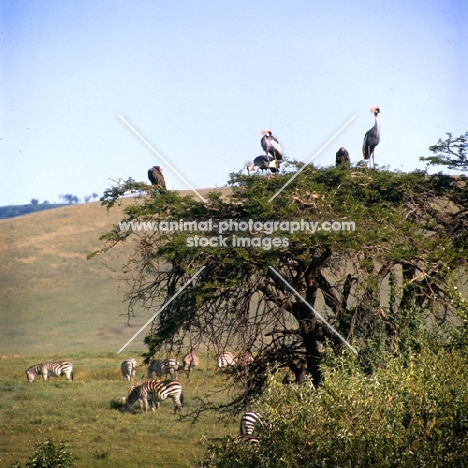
point(360, 247)
point(451, 152)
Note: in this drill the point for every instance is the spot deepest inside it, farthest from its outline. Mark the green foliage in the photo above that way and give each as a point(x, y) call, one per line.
point(411, 412)
point(410, 234)
point(452, 152)
point(50, 454)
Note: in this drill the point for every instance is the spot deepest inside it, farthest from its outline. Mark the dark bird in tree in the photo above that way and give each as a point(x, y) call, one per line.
point(372, 137)
point(342, 157)
point(155, 176)
point(271, 146)
point(264, 162)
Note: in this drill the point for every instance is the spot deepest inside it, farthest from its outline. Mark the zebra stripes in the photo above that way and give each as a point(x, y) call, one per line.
point(226, 359)
point(163, 366)
point(249, 421)
point(153, 392)
point(49, 369)
point(241, 361)
point(128, 368)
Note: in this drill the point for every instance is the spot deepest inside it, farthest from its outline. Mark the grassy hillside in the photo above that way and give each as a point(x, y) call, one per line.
point(51, 297)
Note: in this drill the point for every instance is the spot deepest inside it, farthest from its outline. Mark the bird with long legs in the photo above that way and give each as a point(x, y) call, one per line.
point(264, 162)
point(371, 138)
point(271, 146)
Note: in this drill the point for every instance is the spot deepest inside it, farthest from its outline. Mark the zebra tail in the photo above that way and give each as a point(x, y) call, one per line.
point(182, 398)
point(72, 376)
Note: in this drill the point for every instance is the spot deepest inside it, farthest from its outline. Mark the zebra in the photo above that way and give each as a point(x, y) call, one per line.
point(128, 368)
point(139, 392)
point(191, 361)
point(155, 391)
point(249, 421)
point(226, 358)
point(50, 369)
point(163, 366)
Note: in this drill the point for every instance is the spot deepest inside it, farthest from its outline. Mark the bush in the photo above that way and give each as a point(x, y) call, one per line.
point(50, 455)
point(411, 412)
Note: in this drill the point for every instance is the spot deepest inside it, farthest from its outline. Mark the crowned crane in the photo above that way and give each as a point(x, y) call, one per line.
point(155, 176)
point(271, 146)
point(264, 162)
point(372, 137)
point(342, 157)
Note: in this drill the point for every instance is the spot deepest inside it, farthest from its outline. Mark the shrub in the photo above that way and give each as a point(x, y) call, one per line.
point(49, 455)
point(411, 412)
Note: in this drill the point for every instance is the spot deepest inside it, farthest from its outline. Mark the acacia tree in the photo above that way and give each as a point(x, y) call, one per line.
point(451, 152)
point(410, 237)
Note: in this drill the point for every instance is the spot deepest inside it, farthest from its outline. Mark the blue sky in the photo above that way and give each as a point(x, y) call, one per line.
point(200, 80)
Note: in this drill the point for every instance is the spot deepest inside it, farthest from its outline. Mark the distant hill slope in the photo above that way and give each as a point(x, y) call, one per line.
point(52, 297)
point(12, 211)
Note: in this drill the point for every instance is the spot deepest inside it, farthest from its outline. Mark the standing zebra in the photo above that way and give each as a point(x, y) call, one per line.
point(48, 369)
point(191, 361)
point(163, 366)
point(249, 421)
point(156, 391)
point(128, 368)
point(226, 358)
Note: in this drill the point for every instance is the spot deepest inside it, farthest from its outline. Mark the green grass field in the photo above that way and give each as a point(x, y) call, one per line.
point(89, 415)
point(55, 304)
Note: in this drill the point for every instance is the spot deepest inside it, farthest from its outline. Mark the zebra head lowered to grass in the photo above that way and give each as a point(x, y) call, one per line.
point(163, 366)
point(152, 392)
point(49, 369)
point(128, 368)
point(191, 361)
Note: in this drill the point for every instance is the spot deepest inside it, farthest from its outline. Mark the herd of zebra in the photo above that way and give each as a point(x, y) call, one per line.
point(150, 393)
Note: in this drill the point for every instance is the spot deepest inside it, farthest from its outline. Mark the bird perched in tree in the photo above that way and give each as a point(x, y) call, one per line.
point(271, 146)
point(155, 176)
point(342, 157)
point(264, 162)
point(372, 137)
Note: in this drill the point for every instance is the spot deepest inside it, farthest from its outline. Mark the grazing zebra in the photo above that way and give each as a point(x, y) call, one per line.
point(48, 369)
point(191, 361)
point(155, 391)
point(128, 368)
point(248, 422)
point(163, 366)
point(226, 358)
